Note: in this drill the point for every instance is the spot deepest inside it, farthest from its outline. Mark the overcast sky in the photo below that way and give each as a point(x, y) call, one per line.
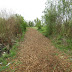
point(29, 9)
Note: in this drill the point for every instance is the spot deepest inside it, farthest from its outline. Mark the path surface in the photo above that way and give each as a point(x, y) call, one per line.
point(37, 54)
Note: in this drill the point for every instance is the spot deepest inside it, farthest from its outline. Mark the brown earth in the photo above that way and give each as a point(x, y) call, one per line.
point(37, 54)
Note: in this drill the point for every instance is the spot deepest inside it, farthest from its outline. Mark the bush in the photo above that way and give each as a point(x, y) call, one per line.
point(10, 29)
point(50, 20)
point(37, 23)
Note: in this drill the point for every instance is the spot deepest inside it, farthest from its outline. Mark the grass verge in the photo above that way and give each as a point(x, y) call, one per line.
point(63, 44)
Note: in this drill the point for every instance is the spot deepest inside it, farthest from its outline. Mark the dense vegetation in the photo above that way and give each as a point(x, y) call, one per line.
point(30, 24)
point(12, 28)
point(57, 23)
point(37, 23)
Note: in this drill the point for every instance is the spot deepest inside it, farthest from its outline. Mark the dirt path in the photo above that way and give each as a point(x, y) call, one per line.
point(37, 54)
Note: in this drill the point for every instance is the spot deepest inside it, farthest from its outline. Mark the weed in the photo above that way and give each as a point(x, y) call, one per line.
point(12, 55)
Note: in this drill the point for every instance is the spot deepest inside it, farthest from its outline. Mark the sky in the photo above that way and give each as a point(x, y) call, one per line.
point(29, 9)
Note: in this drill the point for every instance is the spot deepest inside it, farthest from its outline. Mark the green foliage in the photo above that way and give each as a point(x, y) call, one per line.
point(31, 24)
point(63, 44)
point(3, 68)
point(43, 30)
point(50, 19)
point(34, 28)
point(12, 55)
point(58, 24)
point(37, 23)
point(21, 21)
point(58, 18)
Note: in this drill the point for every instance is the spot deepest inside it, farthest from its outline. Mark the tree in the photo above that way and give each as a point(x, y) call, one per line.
point(58, 17)
point(30, 24)
point(37, 23)
point(50, 15)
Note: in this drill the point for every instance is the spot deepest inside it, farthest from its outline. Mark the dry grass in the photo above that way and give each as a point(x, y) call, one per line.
point(11, 29)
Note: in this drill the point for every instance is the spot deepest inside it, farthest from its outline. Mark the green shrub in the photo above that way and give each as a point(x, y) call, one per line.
point(50, 20)
point(38, 23)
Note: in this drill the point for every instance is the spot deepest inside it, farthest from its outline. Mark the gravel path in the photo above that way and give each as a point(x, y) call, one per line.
point(37, 54)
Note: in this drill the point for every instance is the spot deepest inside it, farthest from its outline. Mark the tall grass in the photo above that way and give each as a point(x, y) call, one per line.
point(11, 29)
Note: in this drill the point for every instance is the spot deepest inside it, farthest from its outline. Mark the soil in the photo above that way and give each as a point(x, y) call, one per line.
point(37, 54)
